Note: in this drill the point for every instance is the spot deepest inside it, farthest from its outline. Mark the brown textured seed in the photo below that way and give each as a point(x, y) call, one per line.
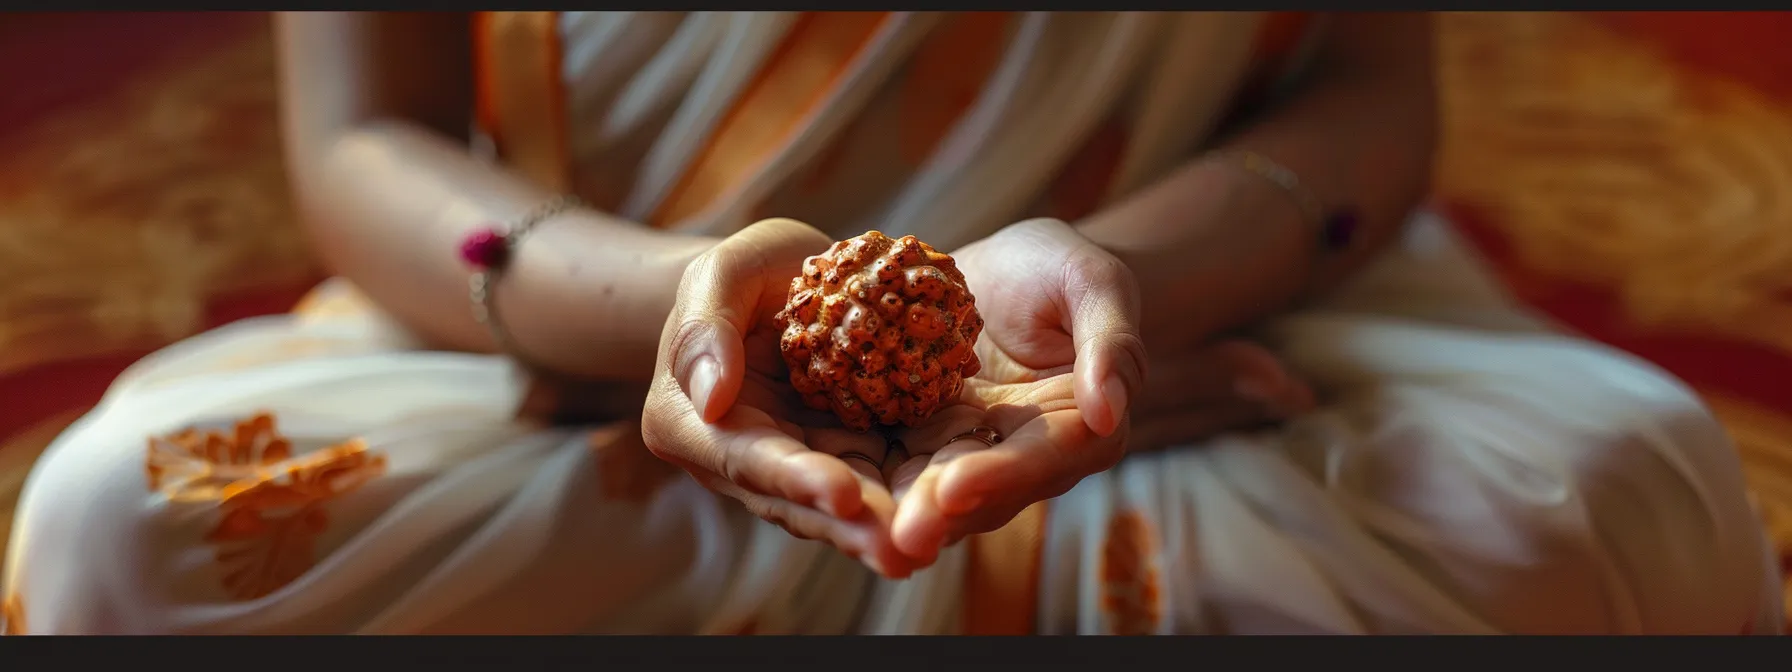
point(880, 331)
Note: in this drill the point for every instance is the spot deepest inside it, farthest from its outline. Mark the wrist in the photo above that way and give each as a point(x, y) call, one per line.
point(658, 286)
point(588, 298)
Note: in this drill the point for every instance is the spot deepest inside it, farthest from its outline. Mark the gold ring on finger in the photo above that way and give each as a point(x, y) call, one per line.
point(853, 455)
point(988, 436)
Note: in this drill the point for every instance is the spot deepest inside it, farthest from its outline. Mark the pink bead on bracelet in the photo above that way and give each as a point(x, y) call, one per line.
point(485, 248)
point(487, 251)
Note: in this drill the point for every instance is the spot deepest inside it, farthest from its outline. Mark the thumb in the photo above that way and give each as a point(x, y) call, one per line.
point(1101, 302)
point(719, 300)
point(708, 361)
point(704, 350)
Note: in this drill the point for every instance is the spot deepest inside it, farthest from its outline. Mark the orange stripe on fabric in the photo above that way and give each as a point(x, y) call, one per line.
point(1078, 190)
point(1001, 583)
point(12, 615)
point(523, 97)
point(941, 83)
point(1280, 36)
point(485, 77)
point(945, 78)
point(1278, 42)
point(560, 140)
point(808, 66)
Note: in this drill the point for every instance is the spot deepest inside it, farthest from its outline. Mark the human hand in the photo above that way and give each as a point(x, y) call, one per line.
point(721, 407)
point(1061, 360)
point(1224, 385)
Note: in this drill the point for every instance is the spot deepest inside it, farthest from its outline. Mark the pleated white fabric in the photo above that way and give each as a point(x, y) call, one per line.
point(1469, 470)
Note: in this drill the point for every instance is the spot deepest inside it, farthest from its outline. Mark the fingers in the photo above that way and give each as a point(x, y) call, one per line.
point(925, 520)
point(1099, 301)
point(704, 350)
point(863, 453)
point(896, 461)
point(1104, 324)
point(715, 410)
point(1041, 461)
point(967, 487)
point(1163, 431)
point(862, 537)
point(921, 524)
point(768, 461)
point(750, 448)
point(1221, 387)
point(692, 417)
point(723, 294)
point(1225, 372)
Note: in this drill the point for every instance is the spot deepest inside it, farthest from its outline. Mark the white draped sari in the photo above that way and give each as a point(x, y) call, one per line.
point(1468, 470)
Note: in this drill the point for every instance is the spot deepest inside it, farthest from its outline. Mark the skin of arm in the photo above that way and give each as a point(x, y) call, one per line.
point(377, 111)
point(376, 133)
point(1227, 247)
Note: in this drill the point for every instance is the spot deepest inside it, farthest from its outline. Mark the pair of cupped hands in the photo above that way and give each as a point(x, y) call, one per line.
point(1063, 379)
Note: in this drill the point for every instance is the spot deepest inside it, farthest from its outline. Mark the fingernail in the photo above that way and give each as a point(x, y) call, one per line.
point(905, 518)
point(705, 373)
point(908, 527)
point(1115, 391)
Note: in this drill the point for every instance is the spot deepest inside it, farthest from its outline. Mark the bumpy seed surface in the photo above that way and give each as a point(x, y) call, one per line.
point(880, 331)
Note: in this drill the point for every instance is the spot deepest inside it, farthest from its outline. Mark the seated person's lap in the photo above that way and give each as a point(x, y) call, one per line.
point(1471, 472)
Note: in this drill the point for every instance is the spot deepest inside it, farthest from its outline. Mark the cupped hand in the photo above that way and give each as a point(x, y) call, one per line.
point(1194, 395)
point(721, 408)
point(1062, 361)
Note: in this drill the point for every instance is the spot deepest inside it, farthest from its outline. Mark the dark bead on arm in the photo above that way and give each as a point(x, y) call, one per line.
point(1338, 230)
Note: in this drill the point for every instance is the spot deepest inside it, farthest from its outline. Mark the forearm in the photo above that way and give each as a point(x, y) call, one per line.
point(586, 294)
point(1224, 247)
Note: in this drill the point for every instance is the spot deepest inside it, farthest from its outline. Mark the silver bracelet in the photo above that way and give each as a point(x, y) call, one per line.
point(1334, 229)
point(488, 251)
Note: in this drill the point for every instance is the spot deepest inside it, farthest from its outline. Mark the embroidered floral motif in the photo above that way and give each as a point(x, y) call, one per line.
point(12, 615)
point(1131, 590)
point(271, 503)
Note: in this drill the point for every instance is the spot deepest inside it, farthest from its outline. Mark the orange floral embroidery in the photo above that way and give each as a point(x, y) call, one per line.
point(1131, 591)
point(271, 502)
point(12, 615)
point(627, 471)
